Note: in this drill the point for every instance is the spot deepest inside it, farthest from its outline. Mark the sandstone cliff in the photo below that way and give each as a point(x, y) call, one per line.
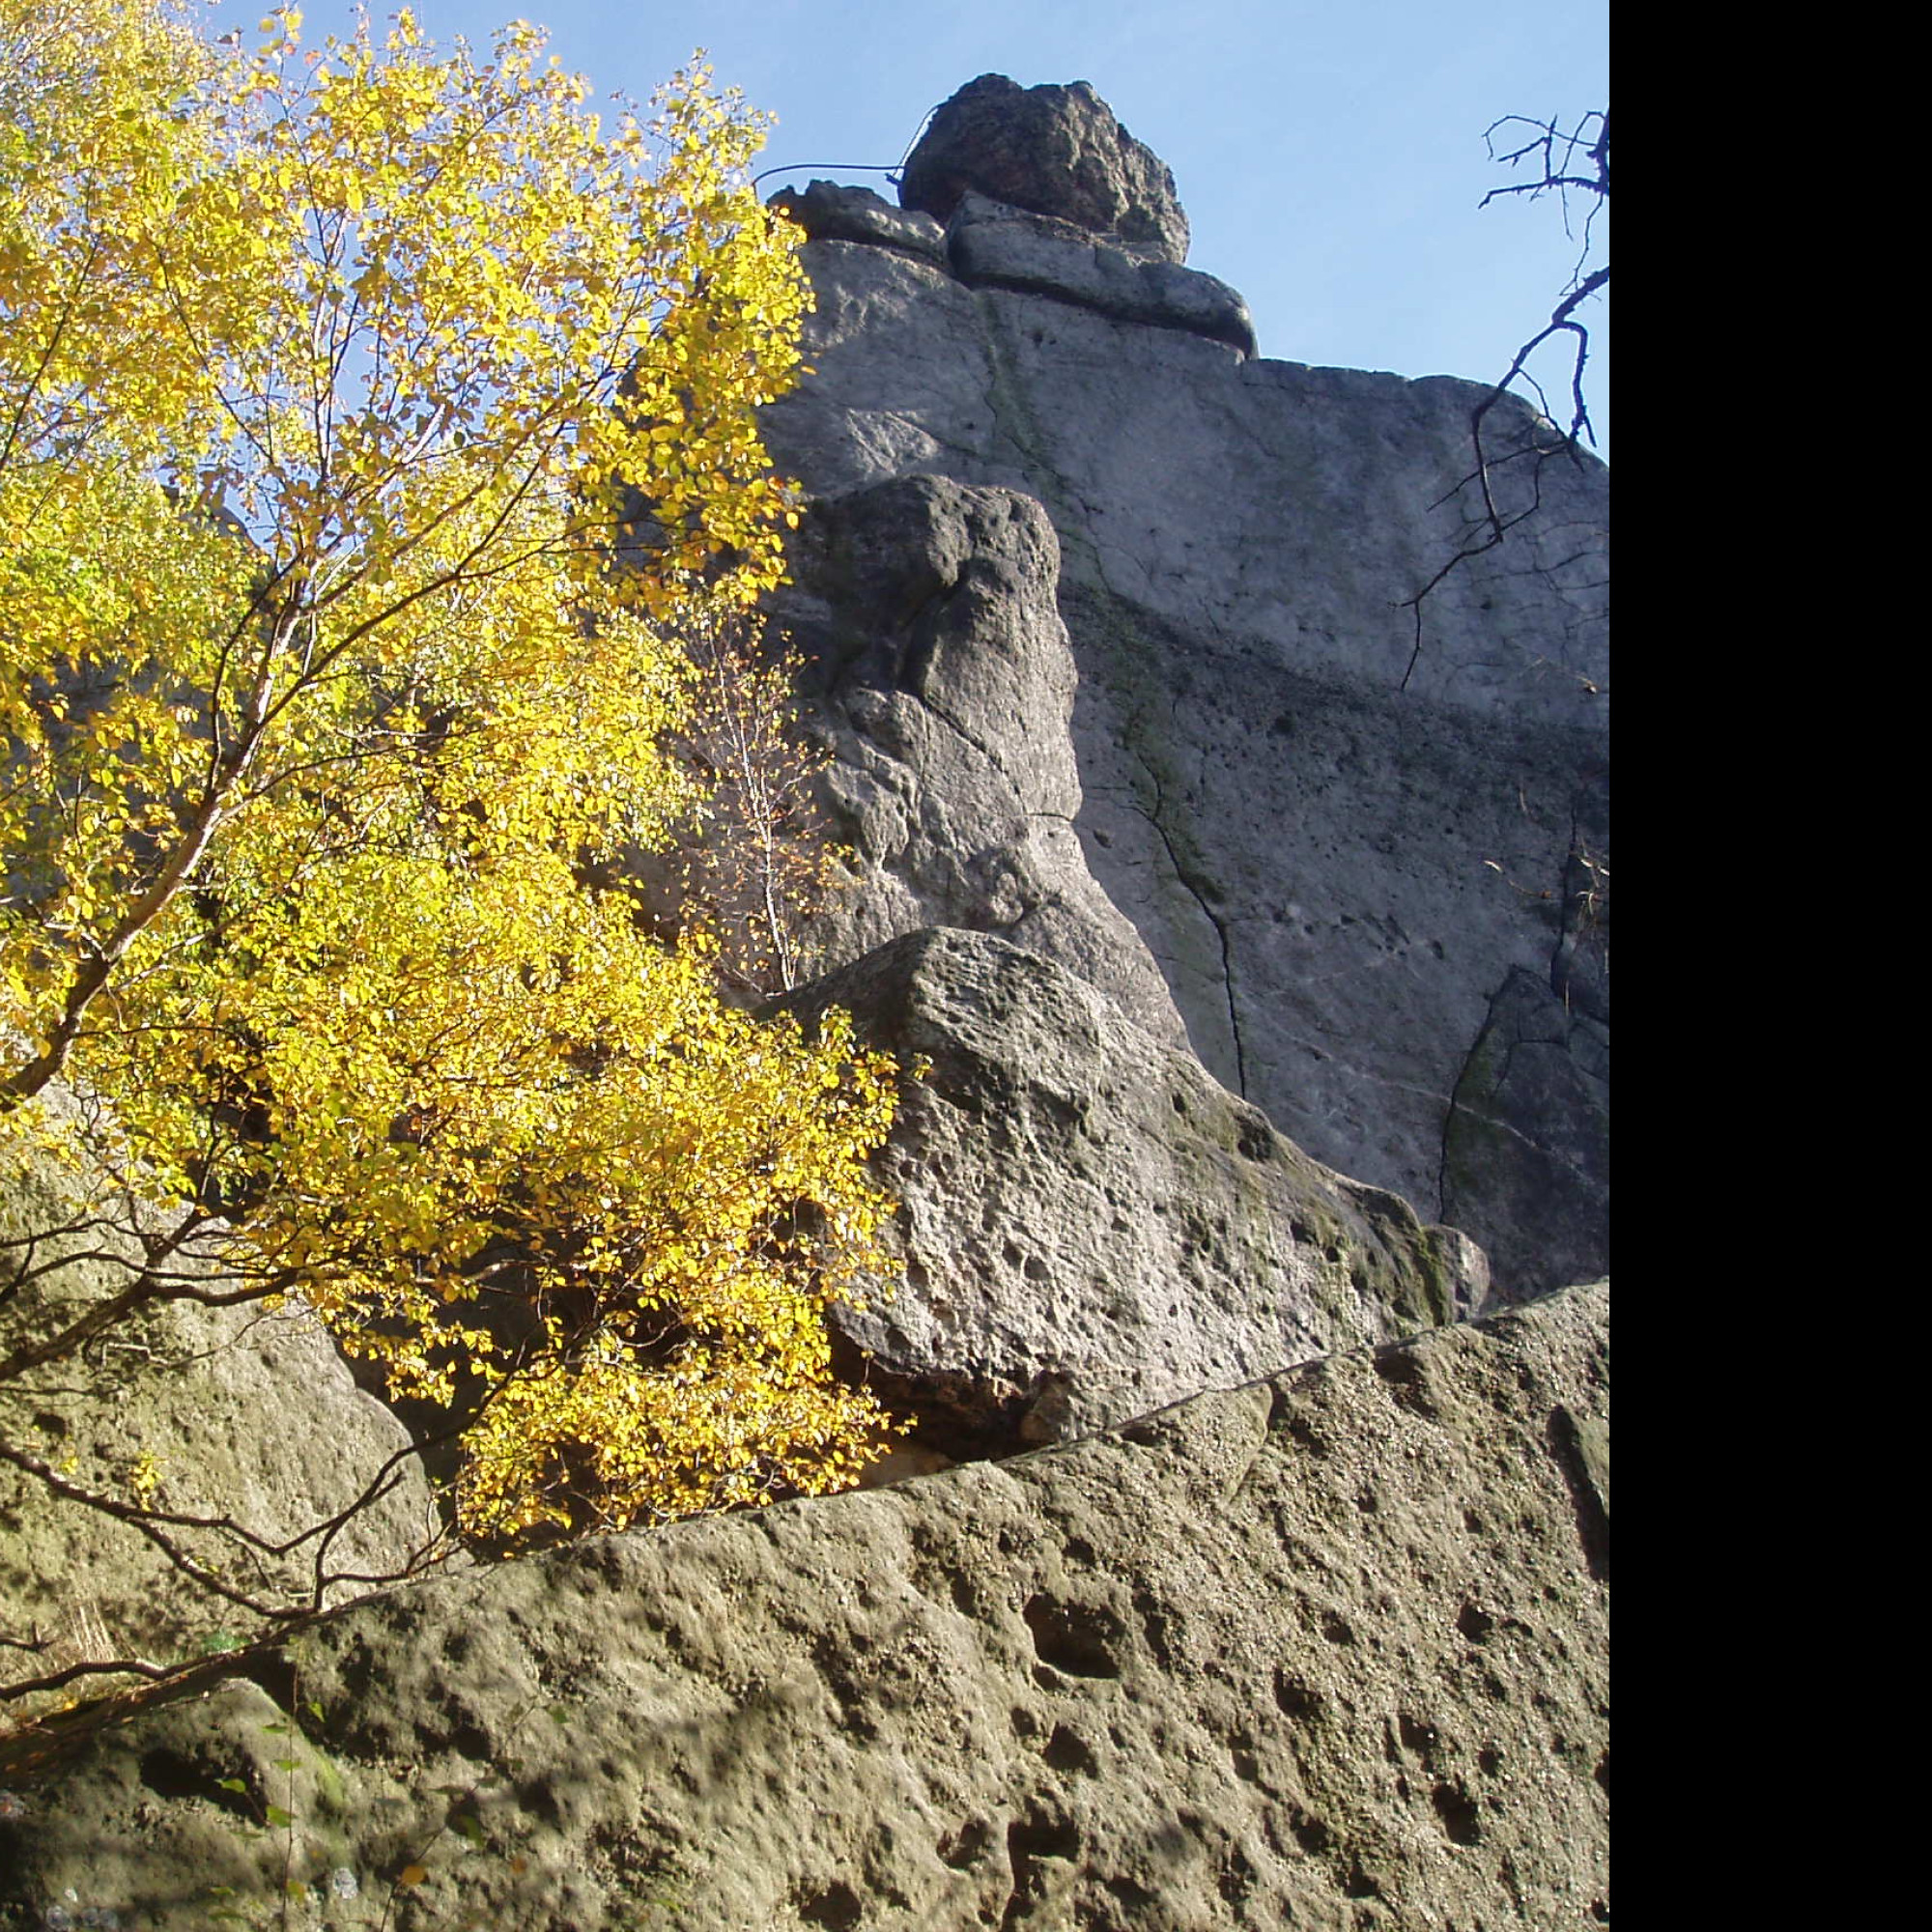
point(1258, 967)
point(1356, 867)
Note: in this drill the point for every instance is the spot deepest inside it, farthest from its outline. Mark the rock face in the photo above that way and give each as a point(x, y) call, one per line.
point(991, 245)
point(235, 1413)
point(1050, 150)
point(1326, 1651)
point(829, 213)
point(1349, 856)
point(1093, 1226)
point(1530, 1130)
point(943, 685)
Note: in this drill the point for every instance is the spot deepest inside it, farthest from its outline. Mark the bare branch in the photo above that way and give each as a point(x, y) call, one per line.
point(115, 1666)
point(1558, 153)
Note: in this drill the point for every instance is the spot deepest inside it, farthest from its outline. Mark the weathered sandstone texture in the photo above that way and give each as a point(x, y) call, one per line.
point(1327, 1651)
point(238, 1412)
point(1355, 863)
point(943, 683)
point(1093, 1226)
point(993, 246)
point(829, 213)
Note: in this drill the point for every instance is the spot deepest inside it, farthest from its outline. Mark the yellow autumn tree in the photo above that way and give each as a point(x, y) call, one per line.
point(327, 382)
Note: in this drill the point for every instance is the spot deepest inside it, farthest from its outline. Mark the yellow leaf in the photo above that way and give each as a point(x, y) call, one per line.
point(330, 700)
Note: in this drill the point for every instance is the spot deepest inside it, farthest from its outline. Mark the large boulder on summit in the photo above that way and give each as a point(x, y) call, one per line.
point(1329, 1651)
point(1092, 1225)
point(1051, 151)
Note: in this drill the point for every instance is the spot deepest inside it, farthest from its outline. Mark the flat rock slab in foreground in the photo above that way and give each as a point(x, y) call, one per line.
point(1328, 1651)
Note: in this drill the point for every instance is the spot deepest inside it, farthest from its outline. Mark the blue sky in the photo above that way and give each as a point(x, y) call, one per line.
point(1329, 156)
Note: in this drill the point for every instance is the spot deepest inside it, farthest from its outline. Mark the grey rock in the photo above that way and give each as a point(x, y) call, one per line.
point(1526, 1147)
point(830, 213)
point(1328, 1651)
point(991, 245)
point(942, 682)
point(242, 1412)
point(1338, 850)
point(1092, 1225)
point(1275, 510)
point(1051, 149)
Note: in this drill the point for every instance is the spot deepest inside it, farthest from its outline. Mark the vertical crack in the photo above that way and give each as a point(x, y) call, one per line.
point(1196, 884)
point(1014, 421)
point(1579, 959)
point(1441, 1207)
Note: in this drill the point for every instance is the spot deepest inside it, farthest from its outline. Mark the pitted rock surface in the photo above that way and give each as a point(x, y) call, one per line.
point(1329, 1651)
point(1051, 149)
point(1092, 1225)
